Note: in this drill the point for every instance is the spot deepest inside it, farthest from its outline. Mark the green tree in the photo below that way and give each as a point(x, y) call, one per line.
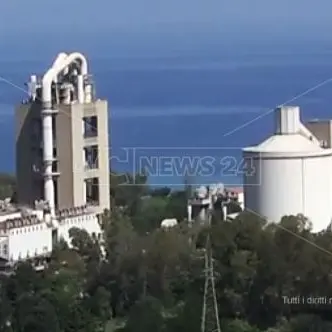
point(34, 313)
point(151, 212)
point(146, 316)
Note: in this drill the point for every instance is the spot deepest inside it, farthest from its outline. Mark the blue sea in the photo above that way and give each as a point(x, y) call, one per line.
point(170, 114)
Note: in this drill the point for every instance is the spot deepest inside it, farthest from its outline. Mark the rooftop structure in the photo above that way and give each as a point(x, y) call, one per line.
point(322, 130)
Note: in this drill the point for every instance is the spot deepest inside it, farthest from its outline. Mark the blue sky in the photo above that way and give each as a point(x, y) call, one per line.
point(142, 15)
point(131, 24)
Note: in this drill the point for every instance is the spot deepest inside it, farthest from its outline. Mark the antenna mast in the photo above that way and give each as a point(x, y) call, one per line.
point(210, 314)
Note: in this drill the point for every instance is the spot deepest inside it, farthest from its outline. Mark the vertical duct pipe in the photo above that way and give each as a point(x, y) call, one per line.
point(190, 213)
point(80, 89)
point(33, 87)
point(61, 63)
point(224, 211)
point(88, 93)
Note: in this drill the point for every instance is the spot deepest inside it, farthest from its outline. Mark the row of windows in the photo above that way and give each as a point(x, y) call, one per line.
point(72, 221)
point(27, 230)
point(40, 227)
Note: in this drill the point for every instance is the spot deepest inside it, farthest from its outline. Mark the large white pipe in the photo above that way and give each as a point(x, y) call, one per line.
point(54, 71)
point(57, 62)
point(60, 64)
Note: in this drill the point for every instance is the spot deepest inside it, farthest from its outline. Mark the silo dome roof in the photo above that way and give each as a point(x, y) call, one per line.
point(292, 145)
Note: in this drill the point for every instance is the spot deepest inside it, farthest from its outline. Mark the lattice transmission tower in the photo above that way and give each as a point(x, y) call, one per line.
point(210, 314)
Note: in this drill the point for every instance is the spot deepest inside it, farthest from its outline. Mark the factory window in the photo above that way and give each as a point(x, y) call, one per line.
point(54, 128)
point(5, 249)
point(92, 191)
point(56, 189)
point(90, 126)
point(91, 157)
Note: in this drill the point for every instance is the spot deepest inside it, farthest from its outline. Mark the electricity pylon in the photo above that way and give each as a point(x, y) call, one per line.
point(210, 314)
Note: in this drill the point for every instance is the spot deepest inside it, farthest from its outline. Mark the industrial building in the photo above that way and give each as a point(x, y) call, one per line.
point(207, 199)
point(292, 171)
point(62, 167)
point(290, 174)
point(62, 139)
point(62, 161)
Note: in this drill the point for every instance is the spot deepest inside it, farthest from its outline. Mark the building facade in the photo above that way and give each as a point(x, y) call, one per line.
point(62, 163)
point(80, 152)
point(32, 236)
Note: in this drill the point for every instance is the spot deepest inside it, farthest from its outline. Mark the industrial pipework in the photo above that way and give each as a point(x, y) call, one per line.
point(60, 65)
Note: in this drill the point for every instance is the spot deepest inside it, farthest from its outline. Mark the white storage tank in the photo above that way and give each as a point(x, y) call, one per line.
point(291, 173)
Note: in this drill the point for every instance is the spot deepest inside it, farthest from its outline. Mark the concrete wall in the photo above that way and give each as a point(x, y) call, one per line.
point(27, 153)
point(64, 145)
point(80, 174)
point(29, 241)
point(87, 222)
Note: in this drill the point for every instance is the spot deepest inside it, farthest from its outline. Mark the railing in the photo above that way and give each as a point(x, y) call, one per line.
point(91, 166)
point(90, 133)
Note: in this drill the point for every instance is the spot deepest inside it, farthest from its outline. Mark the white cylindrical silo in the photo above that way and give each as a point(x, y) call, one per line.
point(290, 175)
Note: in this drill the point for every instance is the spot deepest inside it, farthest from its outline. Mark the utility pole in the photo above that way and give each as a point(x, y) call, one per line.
point(210, 314)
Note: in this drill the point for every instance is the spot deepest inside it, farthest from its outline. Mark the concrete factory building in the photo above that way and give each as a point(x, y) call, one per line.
point(62, 161)
point(292, 172)
point(62, 139)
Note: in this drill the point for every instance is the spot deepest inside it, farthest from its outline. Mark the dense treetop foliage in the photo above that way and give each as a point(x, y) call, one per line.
point(140, 278)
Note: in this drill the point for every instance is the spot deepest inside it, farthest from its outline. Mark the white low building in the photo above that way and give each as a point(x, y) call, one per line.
point(82, 218)
point(24, 237)
point(34, 235)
